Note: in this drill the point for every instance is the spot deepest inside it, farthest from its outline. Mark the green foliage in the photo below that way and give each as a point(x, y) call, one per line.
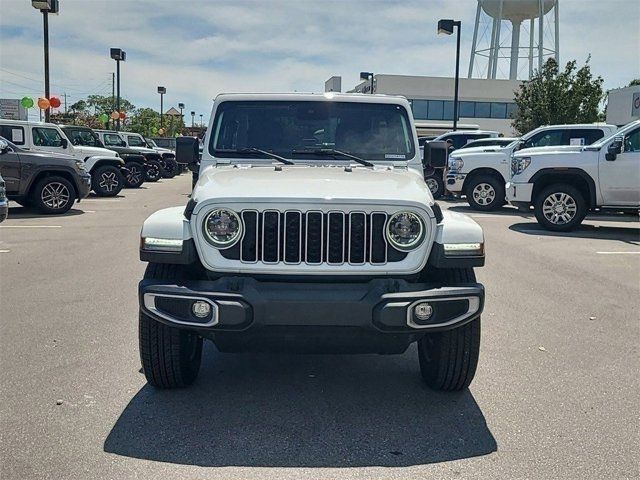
point(635, 81)
point(555, 97)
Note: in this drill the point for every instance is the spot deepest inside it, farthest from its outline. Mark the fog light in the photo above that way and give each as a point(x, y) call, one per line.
point(201, 309)
point(423, 311)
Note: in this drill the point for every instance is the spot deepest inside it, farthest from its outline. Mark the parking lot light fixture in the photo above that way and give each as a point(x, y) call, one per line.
point(118, 55)
point(193, 116)
point(162, 91)
point(181, 107)
point(46, 7)
point(367, 76)
point(446, 27)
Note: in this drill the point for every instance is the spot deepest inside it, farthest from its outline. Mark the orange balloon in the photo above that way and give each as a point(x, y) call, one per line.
point(55, 102)
point(43, 103)
point(123, 115)
point(115, 115)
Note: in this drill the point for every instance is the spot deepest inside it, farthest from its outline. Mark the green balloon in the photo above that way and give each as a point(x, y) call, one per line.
point(26, 102)
point(104, 118)
point(154, 130)
point(177, 135)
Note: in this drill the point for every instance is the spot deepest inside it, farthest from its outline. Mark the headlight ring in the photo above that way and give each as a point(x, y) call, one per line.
point(405, 231)
point(222, 228)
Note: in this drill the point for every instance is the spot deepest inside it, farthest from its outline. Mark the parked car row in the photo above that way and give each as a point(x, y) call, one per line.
point(49, 167)
point(562, 171)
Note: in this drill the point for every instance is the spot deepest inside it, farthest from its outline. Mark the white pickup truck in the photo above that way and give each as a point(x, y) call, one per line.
point(481, 173)
point(563, 186)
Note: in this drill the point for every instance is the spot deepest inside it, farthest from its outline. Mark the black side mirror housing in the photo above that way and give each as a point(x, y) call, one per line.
point(187, 152)
point(435, 154)
point(614, 149)
point(64, 143)
point(4, 146)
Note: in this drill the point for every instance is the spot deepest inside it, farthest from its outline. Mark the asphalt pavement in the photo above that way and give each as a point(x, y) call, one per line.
point(555, 396)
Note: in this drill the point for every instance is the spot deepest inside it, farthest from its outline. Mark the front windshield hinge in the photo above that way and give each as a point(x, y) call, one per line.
point(278, 168)
point(348, 168)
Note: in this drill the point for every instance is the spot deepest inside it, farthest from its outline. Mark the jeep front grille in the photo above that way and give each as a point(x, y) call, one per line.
point(313, 238)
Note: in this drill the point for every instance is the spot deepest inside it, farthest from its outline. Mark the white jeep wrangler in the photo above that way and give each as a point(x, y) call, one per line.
point(310, 229)
point(563, 186)
point(481, 173)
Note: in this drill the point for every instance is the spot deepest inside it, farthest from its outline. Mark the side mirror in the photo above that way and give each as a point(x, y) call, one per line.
point(187, 152)
point(64, 143)
point(614, 149)
point(123, 143)
point(435, 154)
point(4, 146)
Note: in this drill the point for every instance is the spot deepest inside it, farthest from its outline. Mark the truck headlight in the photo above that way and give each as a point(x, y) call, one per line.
point(222, 228)
point(455, 163)
point(405, 230)
point(518, 164)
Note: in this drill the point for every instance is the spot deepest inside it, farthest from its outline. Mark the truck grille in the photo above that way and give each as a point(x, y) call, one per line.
point(313, 238)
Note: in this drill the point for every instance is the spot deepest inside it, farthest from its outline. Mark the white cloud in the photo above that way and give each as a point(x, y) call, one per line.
point(199, 49)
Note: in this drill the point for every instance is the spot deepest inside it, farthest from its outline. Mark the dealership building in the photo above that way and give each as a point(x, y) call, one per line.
point(623, 105)
point(485, 104)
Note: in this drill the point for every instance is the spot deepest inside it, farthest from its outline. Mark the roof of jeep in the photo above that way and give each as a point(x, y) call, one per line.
point(317, 97)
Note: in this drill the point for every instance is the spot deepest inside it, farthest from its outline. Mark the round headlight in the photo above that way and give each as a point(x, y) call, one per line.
point(405, 230)
point(222, 228)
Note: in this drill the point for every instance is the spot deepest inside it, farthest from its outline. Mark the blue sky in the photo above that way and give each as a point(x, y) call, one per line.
point(197, 49)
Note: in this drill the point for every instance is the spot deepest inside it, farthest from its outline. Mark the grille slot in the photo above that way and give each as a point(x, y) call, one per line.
point(314, 238)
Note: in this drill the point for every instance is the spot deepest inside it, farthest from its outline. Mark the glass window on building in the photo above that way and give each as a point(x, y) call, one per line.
point(448, 110)
point(419, 108)
point(498, 110)
point(512, 110)
point(483, 110)
point(467, 109)
point(436, 110)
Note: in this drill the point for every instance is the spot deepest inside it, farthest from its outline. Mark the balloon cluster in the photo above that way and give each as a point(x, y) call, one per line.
point(43, 102)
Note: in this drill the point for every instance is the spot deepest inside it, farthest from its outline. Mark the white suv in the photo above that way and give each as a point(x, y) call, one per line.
point(310, 229)
point(563, 186)
point(481, 173)
point(106, 168)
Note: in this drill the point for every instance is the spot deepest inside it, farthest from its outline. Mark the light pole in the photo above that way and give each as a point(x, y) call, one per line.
point(118, 55)
point(161, 91)
point(446, 27)
point(193, 116)
point(367, 76)
point(46, 7)
point(201, 124)
point(181, 107)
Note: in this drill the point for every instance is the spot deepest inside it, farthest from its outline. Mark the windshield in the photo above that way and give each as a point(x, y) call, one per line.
point(135, 141)
point(151, 143)
point(112, 139)
point(81, 137)
point(297, 129)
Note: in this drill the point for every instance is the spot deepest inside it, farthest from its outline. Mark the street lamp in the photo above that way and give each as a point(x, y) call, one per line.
point(181, 107)
point(161, 91)
point(201, 124)
point(445, 27)
point(367, 76)
point(118, 55)
point(193, 116)
point(46, 7)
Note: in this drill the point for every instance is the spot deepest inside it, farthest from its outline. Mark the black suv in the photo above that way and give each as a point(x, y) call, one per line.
point(49, 182)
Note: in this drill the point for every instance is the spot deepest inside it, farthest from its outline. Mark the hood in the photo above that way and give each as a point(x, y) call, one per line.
point(476, 150)
point(94, 151)
point(40, 153)
point(557, 148)
point(313, 184)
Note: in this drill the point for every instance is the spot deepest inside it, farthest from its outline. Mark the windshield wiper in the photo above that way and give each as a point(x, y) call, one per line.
point(333, 152)
point(286, 161)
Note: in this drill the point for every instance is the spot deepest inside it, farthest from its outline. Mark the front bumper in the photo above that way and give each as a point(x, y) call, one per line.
point(519, 193)
point(455, 182)
point(4, 209)
point(84, 186)
point(371, 317)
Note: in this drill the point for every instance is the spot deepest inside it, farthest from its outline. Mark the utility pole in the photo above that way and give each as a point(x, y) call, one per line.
point(113, 89)
point(45, 19)
point(65, 102)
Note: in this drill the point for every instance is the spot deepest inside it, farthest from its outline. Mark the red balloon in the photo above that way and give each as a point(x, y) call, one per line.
point(123, 115)
point(54, 102)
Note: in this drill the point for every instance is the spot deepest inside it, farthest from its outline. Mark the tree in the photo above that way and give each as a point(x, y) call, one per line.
point(555, 97)
point(634, 82)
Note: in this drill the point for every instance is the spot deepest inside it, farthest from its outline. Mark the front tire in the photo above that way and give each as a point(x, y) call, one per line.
point(107, 181)
point(170, 356)
point(53, 195)
point(135, 175)
point(435, 183)
point(448, 360)
point(485, 193)
point(170, 169)
point(560, 207)
point(153, 171)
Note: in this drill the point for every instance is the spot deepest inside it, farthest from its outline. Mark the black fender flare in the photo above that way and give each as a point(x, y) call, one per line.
point(568, 172)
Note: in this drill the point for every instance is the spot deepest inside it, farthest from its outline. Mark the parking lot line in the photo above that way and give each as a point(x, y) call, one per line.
point(618, 253)
point(5, 251)
point(30, 226)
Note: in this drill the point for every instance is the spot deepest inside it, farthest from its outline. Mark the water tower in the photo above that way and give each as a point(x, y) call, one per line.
point(492, 53)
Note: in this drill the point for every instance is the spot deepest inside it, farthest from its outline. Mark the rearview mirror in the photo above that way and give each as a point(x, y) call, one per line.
point(187, 152)
point(614, 149)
